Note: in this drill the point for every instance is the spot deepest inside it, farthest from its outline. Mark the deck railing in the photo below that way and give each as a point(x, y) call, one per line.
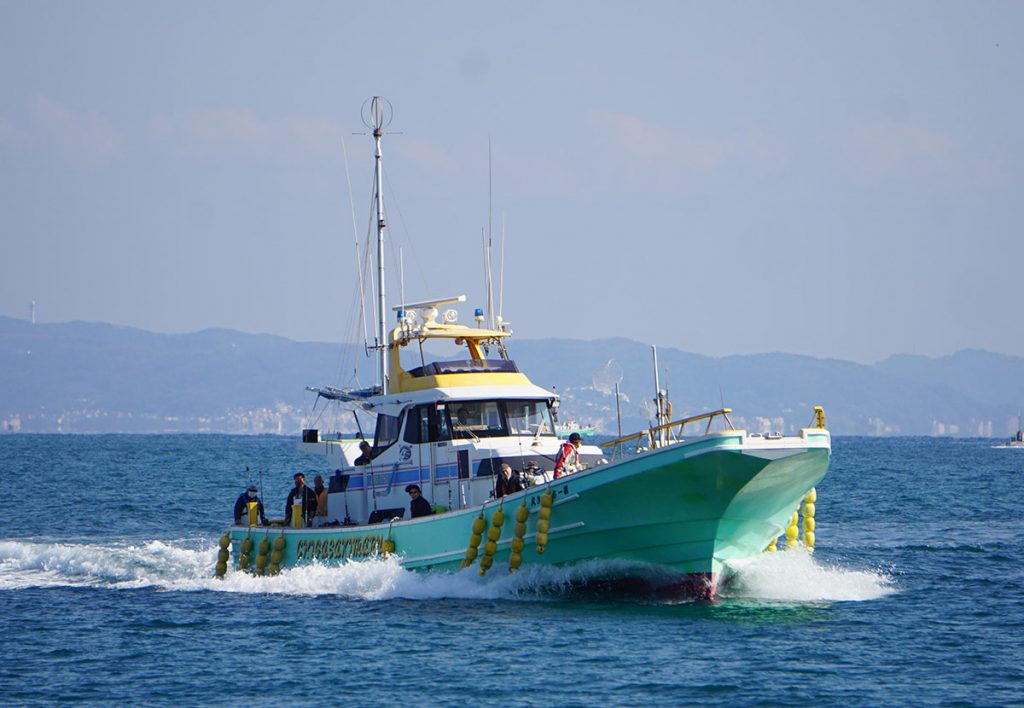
point(668, 433)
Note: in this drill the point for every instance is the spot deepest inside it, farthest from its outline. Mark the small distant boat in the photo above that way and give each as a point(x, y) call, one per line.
point(571, 426)
point(1018, 439)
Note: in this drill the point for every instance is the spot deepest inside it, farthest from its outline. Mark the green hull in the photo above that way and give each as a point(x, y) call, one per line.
point(690, 509)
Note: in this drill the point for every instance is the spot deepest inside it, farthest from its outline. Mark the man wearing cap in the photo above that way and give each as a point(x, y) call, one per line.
point(364, 459)
point(301, 493)
point(568, 456)
point(418, 506)
point(251, 494)
point(508, 481)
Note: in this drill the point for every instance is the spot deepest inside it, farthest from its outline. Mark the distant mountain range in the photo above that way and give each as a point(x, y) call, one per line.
point(87, 377)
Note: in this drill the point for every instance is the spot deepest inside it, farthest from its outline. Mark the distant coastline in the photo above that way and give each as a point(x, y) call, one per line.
point(96, 378)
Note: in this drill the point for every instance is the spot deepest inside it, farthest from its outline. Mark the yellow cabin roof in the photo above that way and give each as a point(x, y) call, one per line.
point(473, 338)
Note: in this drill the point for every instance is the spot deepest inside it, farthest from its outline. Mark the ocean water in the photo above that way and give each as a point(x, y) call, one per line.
point(915, 595)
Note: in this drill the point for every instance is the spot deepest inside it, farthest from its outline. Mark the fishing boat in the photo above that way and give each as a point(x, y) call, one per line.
point(672, 516)
point(572, 426)
point(1018, 439)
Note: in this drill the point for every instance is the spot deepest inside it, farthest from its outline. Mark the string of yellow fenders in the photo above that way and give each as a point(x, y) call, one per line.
point(515, 558)
point(792, 534)
point(807, 508)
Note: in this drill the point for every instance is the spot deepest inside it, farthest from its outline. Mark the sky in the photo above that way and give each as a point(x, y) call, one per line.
point(833, 179)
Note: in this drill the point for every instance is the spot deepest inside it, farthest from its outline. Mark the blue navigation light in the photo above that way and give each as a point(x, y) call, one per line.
point(401, 314)
point(479, 312)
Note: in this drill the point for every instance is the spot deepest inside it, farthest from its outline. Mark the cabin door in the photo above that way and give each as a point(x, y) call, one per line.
point(444, 465)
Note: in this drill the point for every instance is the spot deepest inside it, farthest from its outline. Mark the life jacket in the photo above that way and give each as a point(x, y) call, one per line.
point(568, 456)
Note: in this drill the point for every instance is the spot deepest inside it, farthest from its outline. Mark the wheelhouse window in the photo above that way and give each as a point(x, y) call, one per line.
point(388, 428)
point(528, 418)
point(427, 423)
point(489, 419)
point(481, 419)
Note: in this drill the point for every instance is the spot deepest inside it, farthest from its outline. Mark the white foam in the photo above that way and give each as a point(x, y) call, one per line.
point(176, 567)
point(798, 576)
point(785, 576)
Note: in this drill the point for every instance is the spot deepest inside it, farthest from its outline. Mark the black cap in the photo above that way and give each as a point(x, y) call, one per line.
point(411, 487)
point(575, 437)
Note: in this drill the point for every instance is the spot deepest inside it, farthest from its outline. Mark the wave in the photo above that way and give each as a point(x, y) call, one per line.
point(798, 576)
point(163, 565)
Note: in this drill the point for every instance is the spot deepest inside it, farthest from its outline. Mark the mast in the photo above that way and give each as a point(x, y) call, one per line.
point(378, 117)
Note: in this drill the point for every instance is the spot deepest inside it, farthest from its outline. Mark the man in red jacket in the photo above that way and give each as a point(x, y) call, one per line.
point(568, 456)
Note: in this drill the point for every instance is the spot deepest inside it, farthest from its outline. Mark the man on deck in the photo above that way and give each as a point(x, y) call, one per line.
point(568, 460)
point(418, 506)
point(250, 494)
point(301, 494)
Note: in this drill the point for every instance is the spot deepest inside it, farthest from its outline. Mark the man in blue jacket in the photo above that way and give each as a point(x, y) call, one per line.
point(250, 494)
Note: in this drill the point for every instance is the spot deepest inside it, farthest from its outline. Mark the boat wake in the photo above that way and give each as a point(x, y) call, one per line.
point(797, 576)
point(163, 565)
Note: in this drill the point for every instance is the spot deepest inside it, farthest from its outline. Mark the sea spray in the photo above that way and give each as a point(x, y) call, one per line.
point(181, 566)
point(797, 576)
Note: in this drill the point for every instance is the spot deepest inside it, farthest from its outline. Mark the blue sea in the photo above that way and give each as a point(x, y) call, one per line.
point(914, 595)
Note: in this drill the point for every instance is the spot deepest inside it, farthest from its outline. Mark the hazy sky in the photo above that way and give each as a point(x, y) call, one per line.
point(831, 179)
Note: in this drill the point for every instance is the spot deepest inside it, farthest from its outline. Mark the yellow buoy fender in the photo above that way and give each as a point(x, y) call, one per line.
point(514, 561)
point(791, 533)
point(519, 529)
point(222, 555)
point(545, 500)
point(518, 545)
point(470, 555)
point(499, 517)
point(542, 540)
point(475, 540)
point(479, 524)
point(494, 533)
point(225, 541)
point(808, 523)
point(812, 496)
point(544, 513)
point(808, 509)
point(490, 547)
point(279, 543)
point(522, 513)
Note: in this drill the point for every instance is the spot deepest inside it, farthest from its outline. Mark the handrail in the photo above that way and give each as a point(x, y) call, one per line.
point(724, 412)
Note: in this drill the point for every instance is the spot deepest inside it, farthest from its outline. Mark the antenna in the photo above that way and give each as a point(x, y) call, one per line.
point(490, 210)
point(401, 274)
point(32, 312)
point(377, 113)
point(501, 271)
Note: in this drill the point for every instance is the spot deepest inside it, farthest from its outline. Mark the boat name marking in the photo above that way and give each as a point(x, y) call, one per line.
point(556, 492)
point(339, 548)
